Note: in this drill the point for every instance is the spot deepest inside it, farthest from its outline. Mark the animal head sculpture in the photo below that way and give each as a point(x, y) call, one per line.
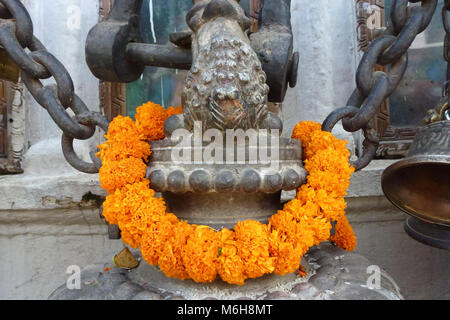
point(226, 86)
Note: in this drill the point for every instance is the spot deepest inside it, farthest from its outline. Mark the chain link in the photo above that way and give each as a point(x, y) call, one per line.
point(36, 64)
point(445, 21)
point(374, 87)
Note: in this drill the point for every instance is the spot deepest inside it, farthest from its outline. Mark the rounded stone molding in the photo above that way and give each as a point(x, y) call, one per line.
point(176, 181)
point(283, 172)
point(173, 123)
point(272, 183)
point(158, 180)
point(200, 180)
point(225, 181)
point(292, 179)
point(250, 181)
point(332, 274)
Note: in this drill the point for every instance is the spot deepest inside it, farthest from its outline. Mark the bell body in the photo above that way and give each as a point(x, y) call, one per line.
point(420, 185)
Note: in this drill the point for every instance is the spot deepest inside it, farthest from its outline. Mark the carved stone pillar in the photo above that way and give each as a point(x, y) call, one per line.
point(12, 127)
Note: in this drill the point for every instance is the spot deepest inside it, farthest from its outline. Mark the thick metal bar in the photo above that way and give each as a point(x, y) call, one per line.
point(106, 43)
point(159, 56)
point(122, 10)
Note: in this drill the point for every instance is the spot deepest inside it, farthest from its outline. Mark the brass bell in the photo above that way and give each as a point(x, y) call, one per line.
point(420, 185)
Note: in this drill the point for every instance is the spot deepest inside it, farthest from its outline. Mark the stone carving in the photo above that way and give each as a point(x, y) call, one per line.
point(225, 89)
point(226, 86)
point(13, 98)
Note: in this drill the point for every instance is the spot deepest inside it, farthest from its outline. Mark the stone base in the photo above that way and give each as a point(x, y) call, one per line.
point(332, 274)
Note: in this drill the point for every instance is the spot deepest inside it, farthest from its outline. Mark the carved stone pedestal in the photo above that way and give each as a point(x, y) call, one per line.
point(331, 274)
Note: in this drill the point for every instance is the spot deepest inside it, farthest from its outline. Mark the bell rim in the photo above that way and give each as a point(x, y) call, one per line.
point(410, 162)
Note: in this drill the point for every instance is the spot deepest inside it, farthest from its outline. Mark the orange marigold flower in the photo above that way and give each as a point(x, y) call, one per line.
point(150, 119)
point(112, 207)
point(122, 128)
point(287, 253)
point(252, 241)
point(230, 265)
point(124, 149)
point(303, 130)
point(344, 237)
point(154, 239)
point(170, 111)
point(116, 174)
point(171, 259)
point(132, 239)
point(201, 253)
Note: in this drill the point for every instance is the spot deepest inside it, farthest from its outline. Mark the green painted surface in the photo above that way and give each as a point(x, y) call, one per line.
point(161, 85)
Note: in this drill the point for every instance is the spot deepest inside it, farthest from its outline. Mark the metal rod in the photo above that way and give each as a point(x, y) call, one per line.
point(163, 56)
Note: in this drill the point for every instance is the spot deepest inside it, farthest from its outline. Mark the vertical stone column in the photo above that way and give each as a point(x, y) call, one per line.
point(62, 26)
point(325, 36)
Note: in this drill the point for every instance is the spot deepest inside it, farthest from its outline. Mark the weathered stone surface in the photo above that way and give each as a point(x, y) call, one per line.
point(126, 291)
point(329, 278)
point(147, 295)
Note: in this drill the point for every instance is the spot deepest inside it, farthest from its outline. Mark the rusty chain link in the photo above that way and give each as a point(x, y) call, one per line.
point(374, 87)
point(36, 64)
point(445, 89)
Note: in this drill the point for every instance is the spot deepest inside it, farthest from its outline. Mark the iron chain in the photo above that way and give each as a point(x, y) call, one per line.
point(374, 87)
point(445, 21)
point(36, 64)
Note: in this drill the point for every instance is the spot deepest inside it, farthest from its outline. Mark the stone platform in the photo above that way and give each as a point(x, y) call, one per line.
point(332, 274)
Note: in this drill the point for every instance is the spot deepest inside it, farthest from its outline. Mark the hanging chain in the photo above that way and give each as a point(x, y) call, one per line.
point(445, 92)
point(36, 64)
point(374, 87)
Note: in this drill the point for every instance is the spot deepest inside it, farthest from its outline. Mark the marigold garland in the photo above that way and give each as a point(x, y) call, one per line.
point(252, 249)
